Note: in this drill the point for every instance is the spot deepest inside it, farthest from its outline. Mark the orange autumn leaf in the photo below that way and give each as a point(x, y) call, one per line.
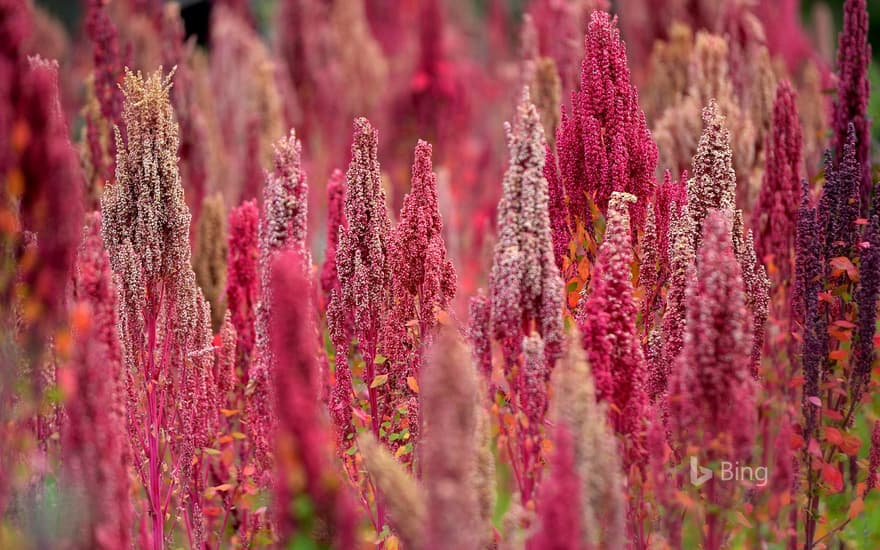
point(851, 445)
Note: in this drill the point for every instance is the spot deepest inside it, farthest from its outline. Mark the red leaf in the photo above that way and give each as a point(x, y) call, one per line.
point(832, 477)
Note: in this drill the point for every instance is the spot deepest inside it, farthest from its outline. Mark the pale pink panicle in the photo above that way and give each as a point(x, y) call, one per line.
point(525, 287)
point(713, 181)
point(283, 226)
point(712, 392)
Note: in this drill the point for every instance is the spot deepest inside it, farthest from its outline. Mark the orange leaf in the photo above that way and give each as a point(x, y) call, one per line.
point(856, 507)
point(412, 383)
point(229, 412)
point(842, 264)
point(851, 445)
point(838, 355)
point(832, 477)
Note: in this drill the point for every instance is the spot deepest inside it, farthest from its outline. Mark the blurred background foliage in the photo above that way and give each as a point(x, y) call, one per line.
point(197, 13)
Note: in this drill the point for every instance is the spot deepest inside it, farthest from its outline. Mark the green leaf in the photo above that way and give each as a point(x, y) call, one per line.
point(379, 359)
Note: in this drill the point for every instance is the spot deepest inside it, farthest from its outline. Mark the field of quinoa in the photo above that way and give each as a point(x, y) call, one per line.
point(439, 275)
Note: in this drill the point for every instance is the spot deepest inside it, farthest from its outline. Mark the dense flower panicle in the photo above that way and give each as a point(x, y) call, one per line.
point(713, 181)
point(335, 220)
point(524, 285)
point(805, 306)
point(853, 89)
point(364, 275)
point(361, 256)
point(607, 319)
point(49, 200)
point(283, 226)
point(242, 278)
point(559, 506)
point(712, 391)
point(211, 251)
point(478, 331)
point(146, 221)
point(839, 203)
point(146, 233)
point(449, 400)
point(595, 449)
point(285, 205)
point(94, 438)
point(776, 210)
point(423, 279)
point(605, 145)
point(866, 294)
point(304, 454)
point(808, 258)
